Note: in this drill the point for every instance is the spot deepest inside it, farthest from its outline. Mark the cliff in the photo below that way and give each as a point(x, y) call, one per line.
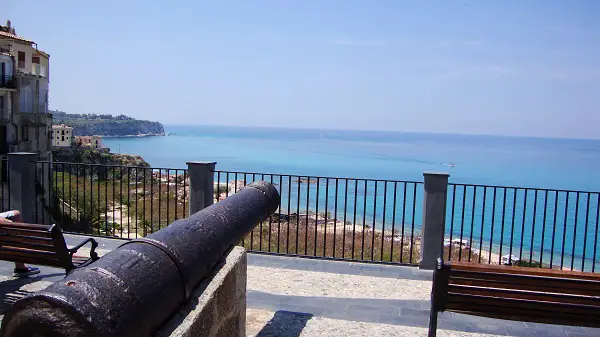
point(91, 156)
point(107, 125)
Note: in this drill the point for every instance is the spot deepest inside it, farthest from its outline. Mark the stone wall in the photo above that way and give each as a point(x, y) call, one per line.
point(218, 306)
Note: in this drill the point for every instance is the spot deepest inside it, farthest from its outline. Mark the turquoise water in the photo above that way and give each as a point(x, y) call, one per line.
point(566, 164)
point(550, 163)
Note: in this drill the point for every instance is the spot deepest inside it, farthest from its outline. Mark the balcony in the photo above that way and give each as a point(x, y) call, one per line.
point(35, 70)
point(38, 70)
point(8, 81)
point(21, 147)
point(41, 109)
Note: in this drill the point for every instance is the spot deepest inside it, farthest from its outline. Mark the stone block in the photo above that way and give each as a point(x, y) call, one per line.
point(217, 306)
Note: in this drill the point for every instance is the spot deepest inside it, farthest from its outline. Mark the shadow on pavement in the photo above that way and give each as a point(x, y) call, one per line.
point(10, 290)
point(285, 324)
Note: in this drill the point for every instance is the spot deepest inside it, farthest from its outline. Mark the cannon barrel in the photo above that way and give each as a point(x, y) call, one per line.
point(133, 289)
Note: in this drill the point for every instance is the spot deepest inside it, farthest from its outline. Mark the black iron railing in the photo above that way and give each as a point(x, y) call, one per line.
point(7, 81)
point(337, 218)
point(523, 226)
point(334, 217)
point(110, 200)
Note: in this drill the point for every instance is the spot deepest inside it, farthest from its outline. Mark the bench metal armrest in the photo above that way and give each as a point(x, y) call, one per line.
point(93, 253)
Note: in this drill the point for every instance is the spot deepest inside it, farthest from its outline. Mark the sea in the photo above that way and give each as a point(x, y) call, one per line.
point(493, 160)
point(523, 162)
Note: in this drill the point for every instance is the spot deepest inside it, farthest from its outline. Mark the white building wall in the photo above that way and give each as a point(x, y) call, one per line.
point(28, 50)
point(59, 139)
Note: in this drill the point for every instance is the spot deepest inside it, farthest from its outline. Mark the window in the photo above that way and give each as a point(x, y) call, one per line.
point(63, 132)
point(25, 133)
point(21, 59)
point(63, 138)
point(35, 59)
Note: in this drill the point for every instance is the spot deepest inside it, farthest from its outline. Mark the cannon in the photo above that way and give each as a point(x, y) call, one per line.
point(135, 288)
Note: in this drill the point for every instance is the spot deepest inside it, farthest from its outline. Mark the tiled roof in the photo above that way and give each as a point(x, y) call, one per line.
point(46, 55)
point(13, 36)
point(61, 126)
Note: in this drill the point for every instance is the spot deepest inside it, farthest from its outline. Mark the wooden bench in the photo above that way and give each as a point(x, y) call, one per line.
point(41, 245)
point(516, 293)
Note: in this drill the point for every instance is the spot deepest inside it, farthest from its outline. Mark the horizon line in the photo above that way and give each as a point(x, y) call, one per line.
point(386, 131)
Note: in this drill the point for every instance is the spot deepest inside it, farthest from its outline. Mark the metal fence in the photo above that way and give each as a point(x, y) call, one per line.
point(331, 217)
point(110, 200)
point(7, 81)
point(523, 226)
point(336, 218)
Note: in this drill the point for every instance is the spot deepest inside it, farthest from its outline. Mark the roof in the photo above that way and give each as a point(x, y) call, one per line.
point(13, 36)
point(61, 126)
point(44, 54)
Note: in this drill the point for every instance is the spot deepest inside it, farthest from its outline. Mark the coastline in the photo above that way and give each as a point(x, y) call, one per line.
point(138, 135)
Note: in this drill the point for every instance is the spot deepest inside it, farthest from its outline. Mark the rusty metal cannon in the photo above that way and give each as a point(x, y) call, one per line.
point(133, 289)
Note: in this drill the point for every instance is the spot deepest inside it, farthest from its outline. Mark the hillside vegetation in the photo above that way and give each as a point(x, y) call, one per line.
point(107, 125)
point(87, 155)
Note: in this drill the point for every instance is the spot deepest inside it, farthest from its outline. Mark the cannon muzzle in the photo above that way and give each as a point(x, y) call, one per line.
point(132, 290)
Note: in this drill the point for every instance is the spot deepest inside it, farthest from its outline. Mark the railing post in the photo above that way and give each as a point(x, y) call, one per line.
point(201, 185)
point(434, 218)
point(22, 184)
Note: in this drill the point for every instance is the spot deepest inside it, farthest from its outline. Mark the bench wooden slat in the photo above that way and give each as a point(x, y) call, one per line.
point(523, 294)
point(27, 245)
point(18, 225)
point(26, 252)
point(16, 253)
point(513, 270)
point(527, 315)
point(531, 286)
point(27, 232)
point(500, 274)
point(30, 260)
point(487, 302)
point(25, 239)
point(540, 281)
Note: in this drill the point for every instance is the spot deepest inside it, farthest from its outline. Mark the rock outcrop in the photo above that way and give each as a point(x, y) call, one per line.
point(88, 155)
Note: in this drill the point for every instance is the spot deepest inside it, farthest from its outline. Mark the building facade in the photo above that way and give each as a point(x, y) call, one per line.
point(94, 142)
point(25, 124)
point(62, 136)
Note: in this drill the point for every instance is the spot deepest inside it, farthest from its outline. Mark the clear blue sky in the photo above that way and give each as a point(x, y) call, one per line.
point(492, 67)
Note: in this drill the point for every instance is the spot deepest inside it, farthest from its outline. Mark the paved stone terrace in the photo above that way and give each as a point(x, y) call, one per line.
point(306, 297)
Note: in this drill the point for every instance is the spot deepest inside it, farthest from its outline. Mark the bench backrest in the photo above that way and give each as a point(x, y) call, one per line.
point(34, 244)
point(518, 293)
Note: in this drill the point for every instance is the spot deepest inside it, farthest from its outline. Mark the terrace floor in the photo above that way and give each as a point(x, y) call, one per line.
point(292, 297)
